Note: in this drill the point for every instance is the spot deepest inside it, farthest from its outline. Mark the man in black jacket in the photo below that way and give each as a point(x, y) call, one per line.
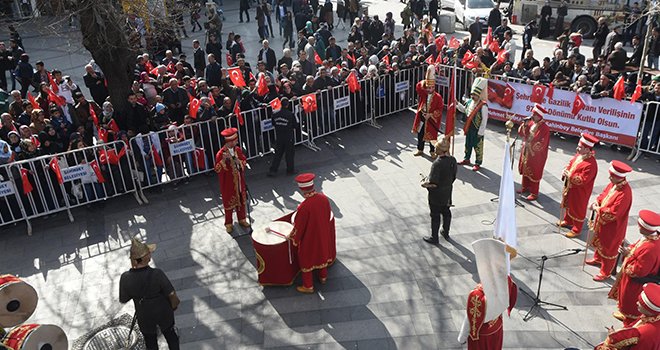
point(134, 119)
point(199, 59)
point(495, 16)
point(440, 186)
point(433, 14)
point(176, 100)
point(267, 55)
point(599, 37)
point(285, 124)
point(213, 71)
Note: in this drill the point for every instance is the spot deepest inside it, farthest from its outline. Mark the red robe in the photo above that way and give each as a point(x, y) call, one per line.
point(534, 153)
point(643, 261)
point(432, 126)
point(314, 233)
point(577, 190)
point(232, 182)
point(612, 219)
point(644, 335)
point(486, 335)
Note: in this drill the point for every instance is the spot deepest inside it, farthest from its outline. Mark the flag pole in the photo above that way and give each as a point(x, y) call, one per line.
point(453, 99)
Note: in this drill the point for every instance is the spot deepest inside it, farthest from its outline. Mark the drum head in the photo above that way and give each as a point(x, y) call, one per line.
point(18, 300)
point(266, 237)
point(45, 335)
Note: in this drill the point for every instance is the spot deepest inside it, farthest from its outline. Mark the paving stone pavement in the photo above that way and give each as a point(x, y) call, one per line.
point(387, 290)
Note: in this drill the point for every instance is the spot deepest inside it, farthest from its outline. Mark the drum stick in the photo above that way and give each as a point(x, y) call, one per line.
point(270, 230)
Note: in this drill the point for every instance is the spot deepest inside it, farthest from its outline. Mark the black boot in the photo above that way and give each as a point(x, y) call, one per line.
point(445, 234)
point(431, 239)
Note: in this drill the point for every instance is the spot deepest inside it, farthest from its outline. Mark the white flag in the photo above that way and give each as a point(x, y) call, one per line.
point(505, 224)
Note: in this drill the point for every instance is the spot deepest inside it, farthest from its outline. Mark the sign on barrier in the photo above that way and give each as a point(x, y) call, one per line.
point(442, 81)
point(402, 86)
point(267, 125)
point(182, 147)
point(75, 172)
point(6, 188)
point(608, 119)
point(342, 102)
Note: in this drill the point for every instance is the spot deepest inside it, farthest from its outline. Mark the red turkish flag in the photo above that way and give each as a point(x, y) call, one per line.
point(97, 171)
point(429, 60)
point(54, 165)
point(276, 104)
point(56, 99)
point(230, 62)
point(53, 84)
point(467, 57)
point(440, 42)
point(619, 89)
point(252, 77)
point(113, 125)
point(507, 98)
point(211, 99)
point(454, 43)
point(170, 67)
point(262, 86)
point(538, 92)
point(237, 111)
point(352, 58)
point(317, 58)
point(638, 92)
point(438, 59)
point(489, 37)
point(149, 67)
point(92, 114)
point(502, 56)
point(386, 59)
point(193, 107)
point(578, 104)
point(551, 90)
point(236, 77)
point(494, 47)
point(353, 83)
point(309, 103)
point(33, 102)
point(103, 134)
point(27, 186)
point(158, 160)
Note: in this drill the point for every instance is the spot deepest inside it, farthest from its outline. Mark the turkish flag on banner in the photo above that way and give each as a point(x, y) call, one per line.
point(353, 83)
point(56, 99)
point(489, 37)
point(262, 86)
point(638, 92)
point(494, 47)
point(507, 98)
point(33, 102)
point(113, 125)
point(211, 99)
point(92, 114)
point(27, 186)
point(451, 107)
point(578, 104)
point(619, 89)
point(54, 165)
point(454, 43)
point(230, 62)
point(237, 111)
point(53, 84)
point(429, 60)
point(193, 107)
point(538, 92)
point(236, 77)
point(276, 104)
point(309, 103)
point(97, 171)
point(103, 134)
point(551, 91)
point(317, 58)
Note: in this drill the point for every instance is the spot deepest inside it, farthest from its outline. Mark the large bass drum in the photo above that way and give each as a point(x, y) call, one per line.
point(36, 337)
point(18, 300)
point(277, 259)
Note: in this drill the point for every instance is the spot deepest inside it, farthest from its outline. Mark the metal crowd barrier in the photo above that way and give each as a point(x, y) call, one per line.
point(50, 184)
point(648, 137)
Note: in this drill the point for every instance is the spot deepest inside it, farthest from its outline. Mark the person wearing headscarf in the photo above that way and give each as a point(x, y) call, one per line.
point(6, 155)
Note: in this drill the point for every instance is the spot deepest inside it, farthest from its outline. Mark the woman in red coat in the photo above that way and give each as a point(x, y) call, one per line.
point(612, 208)
point(642, 259)
point(313, 233)
point(536, 140)
point(230, 165)
point(579, 177)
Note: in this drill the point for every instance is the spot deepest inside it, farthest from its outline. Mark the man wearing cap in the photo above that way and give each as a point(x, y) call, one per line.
point(579, 177)
point(230, 163)
point(153, 296)
point(313, 233)
point(429, 113)
point(535, 134)
point(439, 185)
point(476, 111)
point(642, 259)
point(645, 333)
point(612, 207)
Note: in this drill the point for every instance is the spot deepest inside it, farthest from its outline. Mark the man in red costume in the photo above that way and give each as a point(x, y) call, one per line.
point(313, 233)
point(535, 134)
point(429, 113)
point(486, 334)
point(230, 165)
point(612, 207)
point(645, 333)
point(642, 260)
point(579, 177)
